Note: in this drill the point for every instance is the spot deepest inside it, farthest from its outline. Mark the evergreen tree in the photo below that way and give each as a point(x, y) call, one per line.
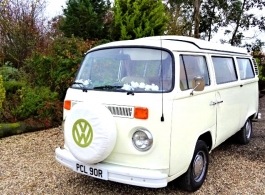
point(138, 18)
point(86, 19)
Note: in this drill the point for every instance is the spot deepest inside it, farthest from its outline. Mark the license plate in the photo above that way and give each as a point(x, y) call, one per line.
point(91, 171)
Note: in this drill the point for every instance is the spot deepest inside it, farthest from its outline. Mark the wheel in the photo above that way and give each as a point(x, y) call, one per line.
point(244, 135)
point(193, 179)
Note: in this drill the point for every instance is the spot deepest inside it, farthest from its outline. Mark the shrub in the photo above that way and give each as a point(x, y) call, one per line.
point(12, 86)
point(2, 91)
point(39, 103)
point(10, 73)
point(57, 68)
point(13, 79)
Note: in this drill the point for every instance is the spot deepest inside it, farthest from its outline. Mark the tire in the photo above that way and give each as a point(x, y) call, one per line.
point(90, 132)
point(244, 135)
point(193, 179)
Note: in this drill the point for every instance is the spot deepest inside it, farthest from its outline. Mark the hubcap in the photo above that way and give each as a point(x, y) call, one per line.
point(248, 130)
point(199, 166)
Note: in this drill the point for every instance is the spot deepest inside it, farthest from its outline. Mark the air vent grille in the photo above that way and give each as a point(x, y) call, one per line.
point(121, 111)
point(255, 66)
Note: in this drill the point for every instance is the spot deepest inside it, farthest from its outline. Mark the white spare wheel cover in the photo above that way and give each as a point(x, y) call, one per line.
point(90, 132)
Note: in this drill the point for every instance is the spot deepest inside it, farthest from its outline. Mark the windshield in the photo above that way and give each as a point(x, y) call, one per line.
point(126, 69)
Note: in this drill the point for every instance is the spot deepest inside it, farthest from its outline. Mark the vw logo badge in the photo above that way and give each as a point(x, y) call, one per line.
point(82, 133)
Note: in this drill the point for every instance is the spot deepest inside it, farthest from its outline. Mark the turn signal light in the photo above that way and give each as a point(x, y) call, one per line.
point(140, 113)
point(67, 104)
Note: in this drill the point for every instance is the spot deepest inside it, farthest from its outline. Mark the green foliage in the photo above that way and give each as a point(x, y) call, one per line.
point(261, 65)
point(24, 101)
point(261, 73)
point(259, 56)
point(2, 91)
point(9, 72)
point(57, 69)
point(100, 42)
point(38, 102)
point(86, 19)
point(12, 86)
point(39, 67)
point(138, 18)
point(36, 90)
point(13, 78)
point(256, 47)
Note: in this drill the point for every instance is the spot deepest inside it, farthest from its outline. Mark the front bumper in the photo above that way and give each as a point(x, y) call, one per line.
point(117, 173)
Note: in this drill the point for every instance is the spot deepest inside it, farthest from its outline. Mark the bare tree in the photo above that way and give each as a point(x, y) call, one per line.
point(22, 29)
point(185, 17)
point(196, 17)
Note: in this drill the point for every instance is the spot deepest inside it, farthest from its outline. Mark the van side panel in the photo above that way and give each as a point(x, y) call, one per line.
point(237, 99)
point(249, 82)
point(250, 99)
point(191, 117)
point(229, 111)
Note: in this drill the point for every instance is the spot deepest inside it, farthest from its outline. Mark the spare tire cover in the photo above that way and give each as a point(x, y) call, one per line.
point(90, 132)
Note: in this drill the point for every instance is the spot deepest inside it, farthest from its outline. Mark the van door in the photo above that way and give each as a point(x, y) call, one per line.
point(228, 98)
point(192, 115)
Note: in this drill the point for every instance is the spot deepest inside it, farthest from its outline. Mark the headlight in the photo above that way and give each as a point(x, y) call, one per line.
point(142, 140)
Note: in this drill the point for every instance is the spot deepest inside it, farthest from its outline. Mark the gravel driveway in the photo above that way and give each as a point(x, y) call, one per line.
point(28, 166)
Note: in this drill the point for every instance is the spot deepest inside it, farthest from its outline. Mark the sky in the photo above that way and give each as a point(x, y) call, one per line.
point(54, 7)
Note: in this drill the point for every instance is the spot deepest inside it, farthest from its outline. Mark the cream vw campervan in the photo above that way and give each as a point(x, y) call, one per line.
point(147, 111)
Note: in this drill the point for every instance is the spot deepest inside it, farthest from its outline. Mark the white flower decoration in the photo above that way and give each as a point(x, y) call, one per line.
point(126, 87)
point(142, 85)
point(154, 87)
point(148, 87)
point(134, 84)
point(86, 82)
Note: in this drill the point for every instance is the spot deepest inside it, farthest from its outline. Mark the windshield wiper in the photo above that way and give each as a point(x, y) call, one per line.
point(78, 83)
point(109, 87)
point(81, 85)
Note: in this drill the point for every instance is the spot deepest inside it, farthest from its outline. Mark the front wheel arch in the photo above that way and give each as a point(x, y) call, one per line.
point(194, 177)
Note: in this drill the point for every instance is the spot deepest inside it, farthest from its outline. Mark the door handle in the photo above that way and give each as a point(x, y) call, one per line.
point(214, 103)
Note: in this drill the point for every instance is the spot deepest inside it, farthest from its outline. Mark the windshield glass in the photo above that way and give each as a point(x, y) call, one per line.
point(126, 69)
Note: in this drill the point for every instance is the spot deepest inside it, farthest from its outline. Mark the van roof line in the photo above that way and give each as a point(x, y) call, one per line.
point(155, 41)
point(201, 44)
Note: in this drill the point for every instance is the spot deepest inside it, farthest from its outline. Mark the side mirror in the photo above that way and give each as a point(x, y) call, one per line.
point(198, 84)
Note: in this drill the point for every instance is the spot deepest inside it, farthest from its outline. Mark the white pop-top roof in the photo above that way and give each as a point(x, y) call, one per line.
point(177, 43)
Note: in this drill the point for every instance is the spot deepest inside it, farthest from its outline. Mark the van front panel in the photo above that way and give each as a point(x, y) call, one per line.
point(124, 152)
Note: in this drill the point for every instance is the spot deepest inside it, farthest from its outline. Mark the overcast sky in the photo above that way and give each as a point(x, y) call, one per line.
point(54, 7)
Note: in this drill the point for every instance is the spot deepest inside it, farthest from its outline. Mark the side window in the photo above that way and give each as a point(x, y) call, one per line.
point(191, 66)
point(245, 68)
point(224, 68)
